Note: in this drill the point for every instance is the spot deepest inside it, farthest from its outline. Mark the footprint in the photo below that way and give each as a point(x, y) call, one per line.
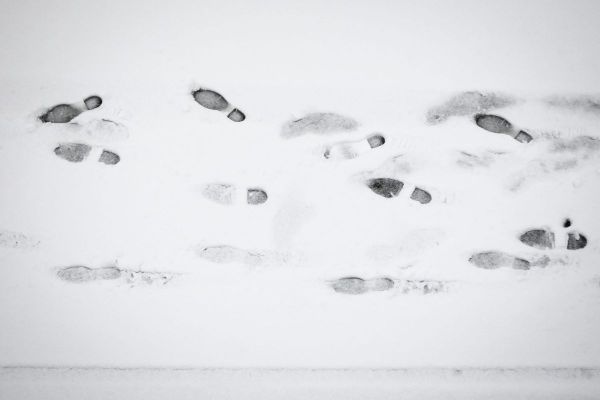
point(349, 150)
point(576, 241)
point(497, 124)
point(215, 101)
point(319, 123)
point(538, 238)
point(82, 274)
point(224, 254)
point(16, 240)
point(77, 152)
point(85, 274)
point(355, 285)
point(388, 188)
point(467, 103)
point(64, 113)
point(498, 259)
point(545, 239)
point(227, 194)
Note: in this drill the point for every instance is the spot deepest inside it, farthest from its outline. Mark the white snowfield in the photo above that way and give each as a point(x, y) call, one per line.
point(165, 228)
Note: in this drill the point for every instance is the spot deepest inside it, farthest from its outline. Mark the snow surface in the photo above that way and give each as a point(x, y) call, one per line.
point(429, 384)
point(382, 64)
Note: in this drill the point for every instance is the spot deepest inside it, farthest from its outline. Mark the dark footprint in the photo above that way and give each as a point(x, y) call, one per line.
point(385, 187)
point(109, 158)
point(319, 123)
point(576, 241)
point(64, 113)
point(215, 101)
point(73, 152)
point(349, 150)
point(211, 100)
point(77, 152)
point(388, 188)
point(236, 115)
point(497, 124)
point(538, 238)
point(256, 196)
point(421, 196)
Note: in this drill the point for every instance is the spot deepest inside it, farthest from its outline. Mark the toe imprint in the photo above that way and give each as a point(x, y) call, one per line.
point(256, 196)
point(109, 158)
point(236, 115)
point(421, 196)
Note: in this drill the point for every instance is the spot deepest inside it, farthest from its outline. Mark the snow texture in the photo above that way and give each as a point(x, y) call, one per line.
point(141, 227)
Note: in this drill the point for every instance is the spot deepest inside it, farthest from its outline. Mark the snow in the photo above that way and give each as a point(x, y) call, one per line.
point(268, 302)
point(429, 383)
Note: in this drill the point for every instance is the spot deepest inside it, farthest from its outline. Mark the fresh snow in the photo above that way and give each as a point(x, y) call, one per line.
point(203, 284)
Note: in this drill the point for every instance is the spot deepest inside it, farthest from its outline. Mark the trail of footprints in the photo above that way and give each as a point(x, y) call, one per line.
point(477, 105)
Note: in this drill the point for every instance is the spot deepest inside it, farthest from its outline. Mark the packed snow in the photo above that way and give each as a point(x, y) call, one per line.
point(299, 185)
